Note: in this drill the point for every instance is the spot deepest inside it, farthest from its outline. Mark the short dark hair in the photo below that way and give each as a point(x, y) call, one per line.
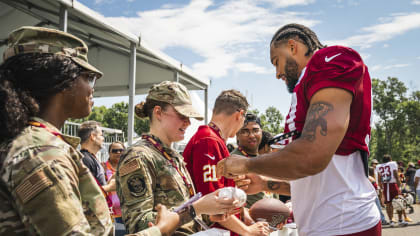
point(109, 148)
point(86, 128)
point(387, 158)
point(229, 102)
point(266, 136)
point(300, 33)
point(249, 117)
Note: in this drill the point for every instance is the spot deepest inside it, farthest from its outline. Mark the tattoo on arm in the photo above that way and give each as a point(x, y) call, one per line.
point(316, 117)
point(273, 185)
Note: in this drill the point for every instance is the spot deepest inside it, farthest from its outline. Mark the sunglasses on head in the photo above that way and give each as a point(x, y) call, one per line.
point(117, 150)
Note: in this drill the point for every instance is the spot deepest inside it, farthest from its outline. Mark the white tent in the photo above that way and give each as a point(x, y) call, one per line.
point(130, 66)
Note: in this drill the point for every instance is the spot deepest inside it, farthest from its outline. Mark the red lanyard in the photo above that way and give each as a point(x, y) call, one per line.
point(40, 125)
point(243, 151)
point(159, 147)
point(216, 129)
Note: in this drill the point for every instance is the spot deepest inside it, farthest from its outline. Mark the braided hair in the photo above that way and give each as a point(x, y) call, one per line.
point(300, 33)
point(27, 82)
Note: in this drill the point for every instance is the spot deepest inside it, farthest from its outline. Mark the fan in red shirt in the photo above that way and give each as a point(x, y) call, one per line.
point(208, 146)
point(331, 111)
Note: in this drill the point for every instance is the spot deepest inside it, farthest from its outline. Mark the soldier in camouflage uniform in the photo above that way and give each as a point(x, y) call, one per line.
point(249, 139)
point(151, 172)
point(44, 187)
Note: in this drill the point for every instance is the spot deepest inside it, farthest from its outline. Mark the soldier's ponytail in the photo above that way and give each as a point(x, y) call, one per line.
point(27, 82)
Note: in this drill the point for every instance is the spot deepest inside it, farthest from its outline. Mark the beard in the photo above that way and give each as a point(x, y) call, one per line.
point(291, 73)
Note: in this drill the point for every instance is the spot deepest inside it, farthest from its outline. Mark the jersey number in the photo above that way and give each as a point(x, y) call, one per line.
point(385, 173)
point(209, 174)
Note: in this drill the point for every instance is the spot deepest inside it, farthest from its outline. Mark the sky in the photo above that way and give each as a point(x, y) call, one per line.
point(228, 41)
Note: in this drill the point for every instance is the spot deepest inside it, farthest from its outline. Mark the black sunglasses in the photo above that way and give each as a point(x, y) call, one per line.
point(117, 150)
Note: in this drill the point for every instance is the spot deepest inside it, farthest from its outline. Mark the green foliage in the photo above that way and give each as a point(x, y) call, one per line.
point(116, 117)
point(271, 120)
point(397, 131)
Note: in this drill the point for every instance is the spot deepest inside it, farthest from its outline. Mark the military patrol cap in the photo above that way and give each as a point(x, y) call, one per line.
point(28, 39)
point(175, 94)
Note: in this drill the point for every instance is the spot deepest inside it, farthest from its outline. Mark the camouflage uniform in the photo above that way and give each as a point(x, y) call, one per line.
point(146, 178)
point(46, 190)
point(44, 187)
point(251, 198)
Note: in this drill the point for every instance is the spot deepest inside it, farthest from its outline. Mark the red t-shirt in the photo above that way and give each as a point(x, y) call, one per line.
point(201, 154)
point(337, 67)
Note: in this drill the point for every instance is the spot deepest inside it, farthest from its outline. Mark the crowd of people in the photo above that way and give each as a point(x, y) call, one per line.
point(49, 187)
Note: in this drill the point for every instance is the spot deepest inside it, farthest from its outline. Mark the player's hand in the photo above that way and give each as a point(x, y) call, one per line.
point(232, 166)
point(246, 217)
point(250, 183)
point(258, 229)
point(212, 204)
point(167, 221)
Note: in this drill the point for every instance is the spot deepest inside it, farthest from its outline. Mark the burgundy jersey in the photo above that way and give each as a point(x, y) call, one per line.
point(201, 154)
point(338, 67)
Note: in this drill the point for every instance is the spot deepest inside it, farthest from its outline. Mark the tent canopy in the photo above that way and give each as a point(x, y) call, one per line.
point(111, 50)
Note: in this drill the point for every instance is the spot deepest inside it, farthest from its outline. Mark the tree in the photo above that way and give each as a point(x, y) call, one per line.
point(271, 120)
point(396, 132)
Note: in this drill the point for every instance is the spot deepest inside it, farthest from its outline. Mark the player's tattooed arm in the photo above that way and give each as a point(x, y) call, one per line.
point(316, 118)
point(280, 187)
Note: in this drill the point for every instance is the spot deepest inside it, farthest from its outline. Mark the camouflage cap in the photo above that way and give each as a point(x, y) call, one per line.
point(175, 94)
point(28, 39)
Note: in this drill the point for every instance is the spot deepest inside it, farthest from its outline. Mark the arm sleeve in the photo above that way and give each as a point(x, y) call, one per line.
point(58, 184)
point(343, 71)
point(206, 154)
point(90, 165)
point(152, 231)
point(135, 184)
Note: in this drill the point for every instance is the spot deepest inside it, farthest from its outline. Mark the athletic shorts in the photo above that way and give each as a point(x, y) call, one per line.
point(390, 191)
point(374, 231)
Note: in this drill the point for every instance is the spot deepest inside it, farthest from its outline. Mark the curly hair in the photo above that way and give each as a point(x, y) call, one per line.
point(27, 82)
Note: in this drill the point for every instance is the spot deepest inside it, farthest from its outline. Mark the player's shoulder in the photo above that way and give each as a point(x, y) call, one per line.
point(340, 57)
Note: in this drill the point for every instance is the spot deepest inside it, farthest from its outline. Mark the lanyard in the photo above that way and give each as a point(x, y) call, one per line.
point(40, 125)
point(159, 147)
point(216, 129)
point(243, 151)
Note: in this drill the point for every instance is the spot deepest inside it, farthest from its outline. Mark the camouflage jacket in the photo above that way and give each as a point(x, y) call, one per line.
point(146, 178)
point(46, 190)
point(251, 198)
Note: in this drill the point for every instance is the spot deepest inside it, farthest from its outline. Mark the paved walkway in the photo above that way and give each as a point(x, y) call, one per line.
point(413, 228)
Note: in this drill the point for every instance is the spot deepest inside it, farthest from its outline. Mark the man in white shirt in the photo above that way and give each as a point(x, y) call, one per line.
point(390, 182)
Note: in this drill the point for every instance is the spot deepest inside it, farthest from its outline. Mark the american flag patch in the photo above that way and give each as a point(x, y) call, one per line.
point(32, 185)
point(129, 167)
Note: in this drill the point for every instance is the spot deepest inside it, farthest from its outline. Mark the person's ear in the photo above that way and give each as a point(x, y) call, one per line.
point(157, 113)
point(293, 46)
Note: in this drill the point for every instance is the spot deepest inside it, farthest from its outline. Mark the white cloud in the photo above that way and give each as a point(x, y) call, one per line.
point(250, 67)
point(288, 3)
point(386, 45)
point(220, 33)
point(388, 67)
point(98, 2)
point(415, 2)
point(365, 56)
point(396, 25)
